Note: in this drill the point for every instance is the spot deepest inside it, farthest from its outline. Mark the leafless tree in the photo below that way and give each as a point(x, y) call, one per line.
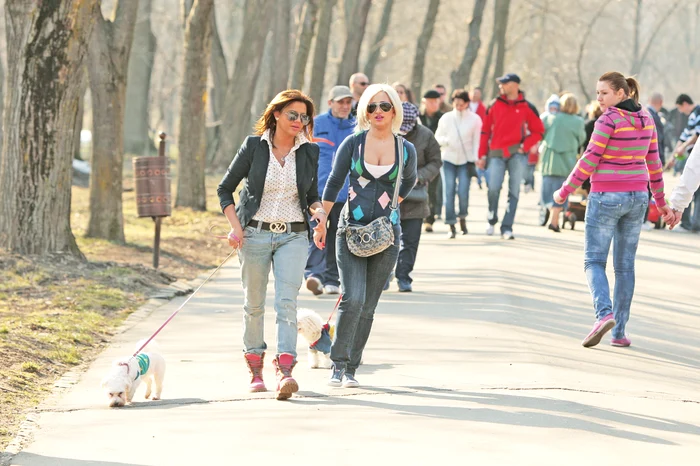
point(47, 42)
point(376, 48)
point(305, 35)
point(318, 67)
point(355, 25)
point(281, 34)
point(500, 30)
point(462, 75)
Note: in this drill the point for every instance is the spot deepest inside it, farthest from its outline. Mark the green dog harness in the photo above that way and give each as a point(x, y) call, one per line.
point(144, 364)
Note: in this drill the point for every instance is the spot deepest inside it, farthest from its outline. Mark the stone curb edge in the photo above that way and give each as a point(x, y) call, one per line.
point(30, 424)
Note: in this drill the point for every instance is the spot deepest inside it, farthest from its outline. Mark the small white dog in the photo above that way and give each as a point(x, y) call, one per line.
point(126, 376)
point(318, 335)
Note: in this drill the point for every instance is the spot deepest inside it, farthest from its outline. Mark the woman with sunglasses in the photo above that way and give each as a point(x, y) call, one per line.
point(371, 159)
point(270, 228)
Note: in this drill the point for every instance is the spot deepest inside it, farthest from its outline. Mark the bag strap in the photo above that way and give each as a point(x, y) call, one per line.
point(397, 185)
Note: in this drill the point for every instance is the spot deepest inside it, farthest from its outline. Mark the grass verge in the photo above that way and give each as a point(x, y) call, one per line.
point(57, 311)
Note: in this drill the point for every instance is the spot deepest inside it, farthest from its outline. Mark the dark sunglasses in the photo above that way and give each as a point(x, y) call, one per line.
point(385, 106)
point(294, 116)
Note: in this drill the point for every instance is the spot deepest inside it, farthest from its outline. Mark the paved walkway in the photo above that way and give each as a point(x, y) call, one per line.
point(482, 364)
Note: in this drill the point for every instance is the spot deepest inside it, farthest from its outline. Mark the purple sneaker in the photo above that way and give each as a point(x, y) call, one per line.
point(600, 328)
point(623, 342)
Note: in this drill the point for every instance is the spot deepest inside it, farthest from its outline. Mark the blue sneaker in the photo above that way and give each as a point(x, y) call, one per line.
point(336, 377)
point(404, 286)
point(349, 381)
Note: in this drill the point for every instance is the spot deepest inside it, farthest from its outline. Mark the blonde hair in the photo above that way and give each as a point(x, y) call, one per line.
point(569, 104)
point(594, 110)
point(363, 123)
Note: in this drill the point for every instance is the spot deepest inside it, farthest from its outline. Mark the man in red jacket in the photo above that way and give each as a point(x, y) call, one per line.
point(512, 128)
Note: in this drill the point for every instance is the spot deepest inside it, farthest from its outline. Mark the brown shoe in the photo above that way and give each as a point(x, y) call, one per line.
point(255, 366)
point(286, 385)
point(463, 225)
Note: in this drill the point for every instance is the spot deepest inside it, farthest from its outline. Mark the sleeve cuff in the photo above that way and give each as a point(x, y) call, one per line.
point(225, 204)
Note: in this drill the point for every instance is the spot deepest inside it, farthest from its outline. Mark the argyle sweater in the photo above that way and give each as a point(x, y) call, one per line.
point(622, 155)
point(368, 198)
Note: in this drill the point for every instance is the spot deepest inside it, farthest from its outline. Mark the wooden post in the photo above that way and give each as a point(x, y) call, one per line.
point(158, 220)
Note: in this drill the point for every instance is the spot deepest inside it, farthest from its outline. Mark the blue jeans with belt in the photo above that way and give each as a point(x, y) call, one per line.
point(613, 218)
point(285, 253)
point(363, 280)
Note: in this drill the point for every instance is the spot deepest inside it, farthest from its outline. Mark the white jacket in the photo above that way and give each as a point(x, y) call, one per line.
point(454, 150)
point(690, 181)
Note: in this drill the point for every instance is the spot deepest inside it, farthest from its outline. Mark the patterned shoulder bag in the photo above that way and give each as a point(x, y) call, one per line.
point(378, 235)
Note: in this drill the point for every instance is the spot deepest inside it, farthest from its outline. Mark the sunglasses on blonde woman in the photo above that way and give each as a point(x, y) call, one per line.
point(385, 106)
point(294, 116)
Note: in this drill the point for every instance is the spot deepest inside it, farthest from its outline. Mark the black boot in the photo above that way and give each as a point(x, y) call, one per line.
point(453, 232)
point(463, 225)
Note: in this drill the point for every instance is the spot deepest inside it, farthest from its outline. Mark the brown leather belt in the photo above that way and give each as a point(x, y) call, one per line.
point(279, 227)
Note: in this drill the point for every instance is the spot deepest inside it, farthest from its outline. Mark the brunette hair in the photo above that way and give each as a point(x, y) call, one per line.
point(280, 102)
point(569, 104)
point(618, 81)
point(460, 94)
point(407, 91)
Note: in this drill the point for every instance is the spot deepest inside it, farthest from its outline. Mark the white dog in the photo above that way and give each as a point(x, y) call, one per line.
point(318, 335)
point(126, 376)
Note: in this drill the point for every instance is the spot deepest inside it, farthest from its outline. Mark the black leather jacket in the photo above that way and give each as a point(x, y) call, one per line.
point(251, 163)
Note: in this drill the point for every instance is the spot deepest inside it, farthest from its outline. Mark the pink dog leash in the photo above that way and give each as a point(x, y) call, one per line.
point(172, 316)
point(337, 303)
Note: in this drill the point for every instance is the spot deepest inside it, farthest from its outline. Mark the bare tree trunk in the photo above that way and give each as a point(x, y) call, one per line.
point(303, 47)
point(637, 31)
point(219, 73)
point(461, 76)
point(108, 59)
point(2, 98)
point(47, 42)
point(501, 28)
point(136, 121)
point(191, 191)
point(239, 98)
point(79, 117)
point(487, 65)
point(582, 47)
point(356, 32)
point(281, 48)
point(639, 62)
point(376, 49)
point(318, 67)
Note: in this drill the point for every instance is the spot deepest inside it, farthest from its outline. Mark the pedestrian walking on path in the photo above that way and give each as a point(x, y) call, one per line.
point(330, 129)
point(415, 208)
point(371, 158)
point(271, 228)
point(621, 160)
point(512, 129)
point(458, 134)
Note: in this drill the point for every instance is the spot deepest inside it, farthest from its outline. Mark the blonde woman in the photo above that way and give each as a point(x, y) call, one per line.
point(371, 160)
point(270, 226)
point(563, 135)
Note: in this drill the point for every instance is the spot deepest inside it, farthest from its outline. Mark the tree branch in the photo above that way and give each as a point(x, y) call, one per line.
point(656, 30)
point(589, 29)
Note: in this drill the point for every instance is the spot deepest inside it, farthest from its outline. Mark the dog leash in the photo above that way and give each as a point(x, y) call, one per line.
point(172, 316)
point(337, 303)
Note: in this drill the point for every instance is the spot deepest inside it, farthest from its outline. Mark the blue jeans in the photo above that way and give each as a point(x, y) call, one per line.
point(529, 177)
point(455, 178)
point(613, 218)
point(410, 237)
point(551, 184)
point(691, 216)
point(286, 254)
point(321, 263)
point(515, 165)
point(363, 279)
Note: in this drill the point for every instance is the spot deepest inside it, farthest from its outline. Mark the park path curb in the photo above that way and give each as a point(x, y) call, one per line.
point(160, 297)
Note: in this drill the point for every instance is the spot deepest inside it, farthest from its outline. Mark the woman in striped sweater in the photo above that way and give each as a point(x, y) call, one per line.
point(622, 158)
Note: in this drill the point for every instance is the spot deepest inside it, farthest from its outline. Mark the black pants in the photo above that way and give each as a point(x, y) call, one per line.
point(434, 199)
point(410, 237)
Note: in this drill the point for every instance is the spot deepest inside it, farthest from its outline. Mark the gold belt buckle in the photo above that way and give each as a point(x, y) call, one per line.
point(278, 227)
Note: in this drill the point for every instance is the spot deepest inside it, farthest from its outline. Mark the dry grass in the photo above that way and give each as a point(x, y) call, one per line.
point(57, 311)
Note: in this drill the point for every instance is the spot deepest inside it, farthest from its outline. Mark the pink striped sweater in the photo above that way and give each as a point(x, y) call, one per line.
point(622, 156)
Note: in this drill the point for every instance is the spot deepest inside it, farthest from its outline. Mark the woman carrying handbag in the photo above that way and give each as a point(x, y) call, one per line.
point(382, 171)
point(458, 134)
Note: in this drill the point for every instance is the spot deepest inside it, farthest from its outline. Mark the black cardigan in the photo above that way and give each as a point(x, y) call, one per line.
point(251, 163)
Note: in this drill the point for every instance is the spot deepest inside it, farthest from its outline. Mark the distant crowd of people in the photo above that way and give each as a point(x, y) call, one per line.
point(320, 194)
